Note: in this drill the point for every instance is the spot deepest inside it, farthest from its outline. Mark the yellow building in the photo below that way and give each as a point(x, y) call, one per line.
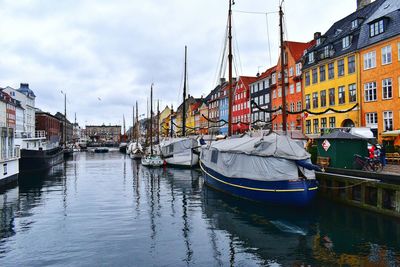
point(164, 121)
point(331, 74)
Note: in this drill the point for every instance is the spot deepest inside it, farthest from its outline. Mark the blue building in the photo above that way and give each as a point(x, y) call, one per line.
point(224, 108)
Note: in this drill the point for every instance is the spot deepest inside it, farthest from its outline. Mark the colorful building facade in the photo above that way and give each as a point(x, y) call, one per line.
point(379, 61)
point(331, 74)
point(293, 52)
point(241, 105)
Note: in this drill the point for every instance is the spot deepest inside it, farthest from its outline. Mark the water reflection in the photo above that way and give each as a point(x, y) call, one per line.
point(109, 210)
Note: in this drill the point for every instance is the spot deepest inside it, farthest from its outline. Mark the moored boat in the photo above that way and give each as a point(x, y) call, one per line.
point(180, 152)
point(101, 150)
point(39, 154)
point(9, 157)
point(267, 169)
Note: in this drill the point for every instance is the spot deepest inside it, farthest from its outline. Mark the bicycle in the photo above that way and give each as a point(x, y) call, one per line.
point(368, 164)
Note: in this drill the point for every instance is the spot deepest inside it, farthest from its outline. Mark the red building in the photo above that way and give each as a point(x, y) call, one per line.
point(293, 86)
point(11, 105)
point(50, 124)
point(241, 104)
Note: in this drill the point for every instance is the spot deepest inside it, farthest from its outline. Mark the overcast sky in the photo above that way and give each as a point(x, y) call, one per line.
point(105, 54)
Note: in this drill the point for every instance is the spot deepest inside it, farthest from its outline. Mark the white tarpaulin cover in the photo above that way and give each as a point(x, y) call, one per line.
point(177, 145)
point(268, 158)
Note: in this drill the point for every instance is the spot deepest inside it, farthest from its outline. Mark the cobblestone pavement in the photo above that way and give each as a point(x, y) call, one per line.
point(392, 169)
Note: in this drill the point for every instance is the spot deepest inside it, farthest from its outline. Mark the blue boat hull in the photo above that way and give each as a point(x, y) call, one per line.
point(291, 193)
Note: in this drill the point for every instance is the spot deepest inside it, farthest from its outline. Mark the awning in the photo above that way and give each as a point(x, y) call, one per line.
point(391, 133)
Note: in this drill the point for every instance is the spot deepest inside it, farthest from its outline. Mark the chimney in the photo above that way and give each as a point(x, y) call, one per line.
point(317, 35)
point(362, 3)
point(24, 85)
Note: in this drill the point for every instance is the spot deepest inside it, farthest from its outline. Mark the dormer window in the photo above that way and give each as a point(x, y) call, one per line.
point(376, 28)
point(326, 51)
point(318, 41)
point(338, 31)
point(354, 24)
point(311, 57)
point(346, 42)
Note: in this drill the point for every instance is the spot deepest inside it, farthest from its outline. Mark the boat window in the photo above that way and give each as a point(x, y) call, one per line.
point(171, 149)
point(214, 156)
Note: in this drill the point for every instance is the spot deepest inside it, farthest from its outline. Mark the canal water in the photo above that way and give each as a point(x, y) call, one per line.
point(106, 210)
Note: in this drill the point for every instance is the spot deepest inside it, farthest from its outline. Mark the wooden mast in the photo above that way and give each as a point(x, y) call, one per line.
point(133, 122)
point(284, 119)
point(184, 98)
point(230, 68)
point(151, 120)
point(137, 123)
point(158, 120)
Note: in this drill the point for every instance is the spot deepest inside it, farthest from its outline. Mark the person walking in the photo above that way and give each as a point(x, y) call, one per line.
point(383, 155)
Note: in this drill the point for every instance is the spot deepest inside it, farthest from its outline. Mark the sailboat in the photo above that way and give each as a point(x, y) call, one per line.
point(267, 168)
point(152, 160)
point(181, 152)
point(135, 148)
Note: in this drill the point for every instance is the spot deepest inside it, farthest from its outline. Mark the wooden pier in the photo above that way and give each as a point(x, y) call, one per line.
point(378, 192)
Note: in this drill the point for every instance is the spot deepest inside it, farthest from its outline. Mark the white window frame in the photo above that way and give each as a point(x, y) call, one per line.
point(298, 66)
point(311, 57)
point(291, 88)
point(369, 60)
point(298, 87)
point(369, 88)
point(387, 87)
point(386, 55)
point(346, 42)
point(387, 117)
point(371, 120)
point(279, 92)
point(290, 71)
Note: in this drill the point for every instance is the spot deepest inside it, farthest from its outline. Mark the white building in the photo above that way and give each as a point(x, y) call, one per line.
point(3, 114)
point(27, 99)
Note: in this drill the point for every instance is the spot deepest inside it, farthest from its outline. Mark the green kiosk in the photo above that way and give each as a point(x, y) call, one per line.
point(340, 147)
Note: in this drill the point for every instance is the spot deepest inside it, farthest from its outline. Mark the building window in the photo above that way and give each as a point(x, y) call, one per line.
point(307, 78)
point(387, 92)
point(273, 78)
point(387, 121)
point(370, 91)
point(370, 60)
point(323, 123)
point(346, 42)
point(376, 28)
point(341, 95)
point(323, 98)
point(298, 69)
point(332, 122)
point(316, 126)
point(298, 87)
point(371, 120)
point(261, 99)
point(398, 51)
point(386, 55)
point(314, 76)
point(308, 126)
point(352, 93)
point(331, 71)
point(340, 65)
point(279, 92)
point(311, 57)
point(292, 107)
point(298, 105)
point(291, 89)
point(322, 75)
point(351, 64)
point(315, 100)
point(326, 52)
point(307, 101)
point(266, 98)
point(354, 24)
point(290, 71)
point(332, 96)
point(274, 94)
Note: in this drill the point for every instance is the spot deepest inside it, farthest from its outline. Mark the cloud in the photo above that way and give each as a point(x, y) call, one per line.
point(115, 49)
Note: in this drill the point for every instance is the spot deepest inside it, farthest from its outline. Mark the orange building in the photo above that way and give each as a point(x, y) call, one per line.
point(293, 86)
point(379, 45)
